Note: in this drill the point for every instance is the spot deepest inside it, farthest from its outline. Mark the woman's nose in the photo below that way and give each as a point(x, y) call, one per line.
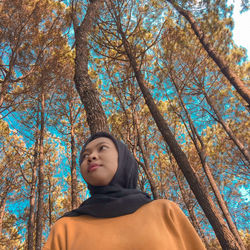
point(92, 156)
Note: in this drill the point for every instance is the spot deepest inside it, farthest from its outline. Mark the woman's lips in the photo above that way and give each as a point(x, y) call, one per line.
point(93, 167)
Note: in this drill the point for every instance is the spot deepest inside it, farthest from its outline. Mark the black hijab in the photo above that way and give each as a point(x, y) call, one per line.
point(118, 198)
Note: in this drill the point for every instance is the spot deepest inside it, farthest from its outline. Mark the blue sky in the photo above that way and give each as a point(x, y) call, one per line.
point(241, 29)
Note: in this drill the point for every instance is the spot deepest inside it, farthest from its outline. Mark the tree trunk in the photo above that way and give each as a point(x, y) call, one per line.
point(145, 166)
point(230, 133)
point(222, 232)
point(74, 202)
point(3, 92)
point(50, 203)
point(186, 200)
point(2, 208)
point(31, 221)
point(96, 117)
point(40, 205)
point(221, 63)
point(223, 205)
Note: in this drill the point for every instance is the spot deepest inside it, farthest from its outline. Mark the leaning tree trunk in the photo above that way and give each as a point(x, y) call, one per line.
point(96, 117)
point(186, 200)
point(2, 210)
point(201, 150)
point(50, 202)
point(221, 63)
point(31, 221)
point(222, 232)
point(2, 206)
point(145, 166)
point(40, 203)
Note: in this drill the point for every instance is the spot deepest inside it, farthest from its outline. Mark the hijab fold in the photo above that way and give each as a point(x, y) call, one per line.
point(121, 196)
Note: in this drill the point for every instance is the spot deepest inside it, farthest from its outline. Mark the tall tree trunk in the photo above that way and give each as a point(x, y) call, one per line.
point(201, 150)
point(2, 207)
point(50, 203)
point(2, 210)
point(189, 207)
point(221, 63)
point(222, 232)
point(31, 221)
point(74, 202)
point(145, 166)
point(3, 92)
point(230, 133)
point(96, 117)
point(40, 205)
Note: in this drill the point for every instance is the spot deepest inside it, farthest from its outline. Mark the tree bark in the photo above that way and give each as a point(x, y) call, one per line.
point(145, 166)
point(50, 203)
point(74, 202)
point(31, 221)
point(96, 117)
point(222, 232)
point(221, 63)
point(2, 210)
point(3, 92)
point(189, 207)
point(40, 205)
point(2, 207)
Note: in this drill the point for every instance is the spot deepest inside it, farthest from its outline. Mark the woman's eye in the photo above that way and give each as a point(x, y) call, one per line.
point(84, 156)
point(103, 147)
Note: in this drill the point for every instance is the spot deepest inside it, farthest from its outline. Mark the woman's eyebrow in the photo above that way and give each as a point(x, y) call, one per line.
point(98, 144)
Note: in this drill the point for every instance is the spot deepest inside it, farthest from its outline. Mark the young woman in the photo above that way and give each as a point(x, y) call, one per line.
point(118, 216)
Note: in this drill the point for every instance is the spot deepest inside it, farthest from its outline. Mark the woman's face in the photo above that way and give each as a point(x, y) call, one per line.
point(100, 162)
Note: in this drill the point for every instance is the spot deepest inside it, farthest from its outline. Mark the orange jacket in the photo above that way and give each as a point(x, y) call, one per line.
point(158, 225)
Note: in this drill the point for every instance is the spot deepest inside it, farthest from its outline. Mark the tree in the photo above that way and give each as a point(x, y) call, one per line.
point(221, 63)
point(223, 234)
point(12, 157)
point(68, 119)
point(89, 96)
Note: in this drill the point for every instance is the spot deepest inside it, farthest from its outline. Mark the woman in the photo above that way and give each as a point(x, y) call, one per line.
point(118, 216)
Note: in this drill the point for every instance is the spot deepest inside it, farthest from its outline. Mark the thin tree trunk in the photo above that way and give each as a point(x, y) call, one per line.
point(3, 92)
point(31, 221)
point(96, 117)
point(50, 203)
point(230, 133)
point(145, 166)
point(40, 209)
point(2, 208)
point(74, 202)
point(201, 150)
point(222, 205)
point(222, 232)
point(221, 63)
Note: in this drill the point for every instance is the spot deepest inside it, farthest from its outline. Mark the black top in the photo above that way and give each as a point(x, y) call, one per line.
point(121, 196)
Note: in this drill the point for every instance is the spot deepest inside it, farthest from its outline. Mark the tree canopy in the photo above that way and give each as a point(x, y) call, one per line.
point(165, 77)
